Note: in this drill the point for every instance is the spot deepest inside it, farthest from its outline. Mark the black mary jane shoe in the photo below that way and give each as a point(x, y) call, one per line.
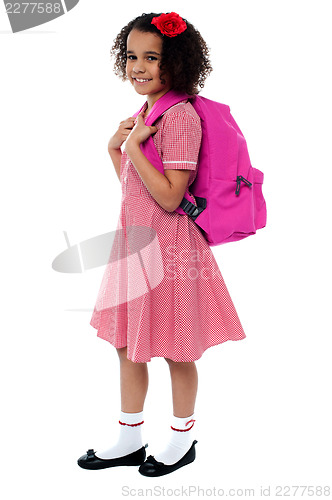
point(152, 468)
point(91, 461)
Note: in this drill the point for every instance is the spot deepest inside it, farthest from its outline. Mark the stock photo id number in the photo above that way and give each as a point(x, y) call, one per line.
point(25, 15)
point(277, 491)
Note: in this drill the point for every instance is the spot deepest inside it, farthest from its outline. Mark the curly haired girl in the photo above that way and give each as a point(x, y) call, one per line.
point(167, 299)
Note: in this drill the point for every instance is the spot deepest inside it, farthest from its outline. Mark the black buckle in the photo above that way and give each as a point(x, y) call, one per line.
point(190, 208)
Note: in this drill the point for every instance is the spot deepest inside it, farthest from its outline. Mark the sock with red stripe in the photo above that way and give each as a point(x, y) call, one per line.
point(180, 440)
point(129, 438)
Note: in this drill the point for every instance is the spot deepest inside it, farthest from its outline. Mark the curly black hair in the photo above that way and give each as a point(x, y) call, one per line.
point(185, 56)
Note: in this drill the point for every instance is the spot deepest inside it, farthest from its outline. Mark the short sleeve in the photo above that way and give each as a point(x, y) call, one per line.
point(181, 140)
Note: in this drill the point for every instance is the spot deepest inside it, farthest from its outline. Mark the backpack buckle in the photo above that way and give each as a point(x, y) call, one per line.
point(191, 209)
point(240, 179)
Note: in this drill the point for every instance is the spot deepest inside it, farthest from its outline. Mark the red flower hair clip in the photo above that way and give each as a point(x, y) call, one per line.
point(170, 24)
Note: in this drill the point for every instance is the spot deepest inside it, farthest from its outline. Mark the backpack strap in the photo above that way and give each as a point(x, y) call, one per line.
point(163, 104)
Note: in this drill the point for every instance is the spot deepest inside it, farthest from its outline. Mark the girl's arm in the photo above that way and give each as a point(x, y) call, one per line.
point(168, 190)
point(115, 155)
point(116, 142)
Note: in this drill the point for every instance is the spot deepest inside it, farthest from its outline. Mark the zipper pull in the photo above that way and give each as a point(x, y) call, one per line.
point(247, 183)
point(238, 183)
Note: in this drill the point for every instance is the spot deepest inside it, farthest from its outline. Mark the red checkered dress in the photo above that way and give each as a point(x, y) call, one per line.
point(162, 293)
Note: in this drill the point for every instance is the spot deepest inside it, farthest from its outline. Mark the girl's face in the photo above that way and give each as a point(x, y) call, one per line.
point(143, 59)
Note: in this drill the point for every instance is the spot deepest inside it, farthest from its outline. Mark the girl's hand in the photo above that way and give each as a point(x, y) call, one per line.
point(140, 132)
point(121, 134)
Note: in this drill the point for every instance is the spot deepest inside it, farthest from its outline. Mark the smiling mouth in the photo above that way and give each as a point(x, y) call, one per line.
point(142, 80)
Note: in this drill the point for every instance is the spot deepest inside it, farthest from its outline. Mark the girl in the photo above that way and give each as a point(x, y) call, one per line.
point(165, 298)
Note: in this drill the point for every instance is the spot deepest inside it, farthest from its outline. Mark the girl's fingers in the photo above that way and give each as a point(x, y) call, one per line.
point(139, 118)
point(128, 119)
point(127, 123)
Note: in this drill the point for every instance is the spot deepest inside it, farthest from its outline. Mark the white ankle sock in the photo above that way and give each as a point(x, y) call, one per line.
point(179, 442)
point(129, 438)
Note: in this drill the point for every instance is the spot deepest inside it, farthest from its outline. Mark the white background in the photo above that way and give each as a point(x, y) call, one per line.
point(263, 406)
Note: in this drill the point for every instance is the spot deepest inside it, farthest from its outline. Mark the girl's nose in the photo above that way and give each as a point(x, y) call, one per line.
point(138, 67)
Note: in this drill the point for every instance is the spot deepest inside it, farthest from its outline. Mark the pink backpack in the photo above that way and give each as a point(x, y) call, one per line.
point(227, 189)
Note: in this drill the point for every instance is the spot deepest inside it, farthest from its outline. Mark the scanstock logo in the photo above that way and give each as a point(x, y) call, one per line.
point(25, 15)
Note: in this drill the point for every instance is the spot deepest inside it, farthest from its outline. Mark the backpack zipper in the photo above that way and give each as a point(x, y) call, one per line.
point(238, 183)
